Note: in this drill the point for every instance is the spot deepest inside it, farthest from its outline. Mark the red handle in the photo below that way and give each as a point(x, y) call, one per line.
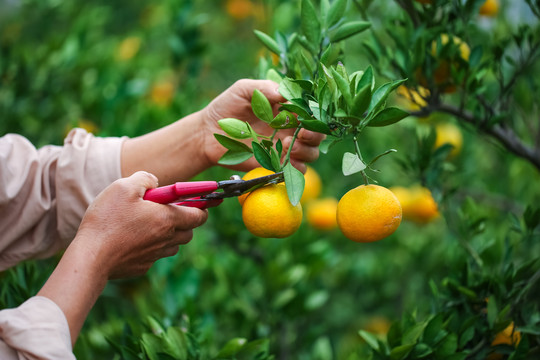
point(180, 191)
point(201, 204)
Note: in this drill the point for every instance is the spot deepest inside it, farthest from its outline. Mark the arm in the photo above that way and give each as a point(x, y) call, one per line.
point(45, 192)
point(187, 147)
point(121, 235)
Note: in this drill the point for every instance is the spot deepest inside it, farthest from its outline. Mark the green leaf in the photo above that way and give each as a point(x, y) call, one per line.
point(256, 349)
point(294, 181)
point(267, 41)
point(370, 339)
point(349, 29)
point(231, 144)
point(381, 94)
point(367, 79)
point(234, 158)
point(273, 75)
point(290, 90)
point(421, 350)
point(262, 156)
point(310, 22)
point(448, 346)
point(275, 159)
point(337, 10)
point(361, 101)
point(238, 129)
point(297, 109)
point(412, 334)
point(343, 86)
point(352, 164)
point(151, 345)
point(316, 300)
point(401, 351)
point(284, 120)
point(330, 81)
point(388, 116)
point(231, 348)
point(317, 126)
point(261, 107)
point(176, 344)
point(389, 151)
point(434, 331)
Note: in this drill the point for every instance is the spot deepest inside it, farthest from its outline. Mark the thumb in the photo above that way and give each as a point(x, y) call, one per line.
point(142, 181)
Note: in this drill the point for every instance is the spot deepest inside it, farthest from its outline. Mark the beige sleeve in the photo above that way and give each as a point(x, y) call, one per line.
point(45, 192)
point(37, 329)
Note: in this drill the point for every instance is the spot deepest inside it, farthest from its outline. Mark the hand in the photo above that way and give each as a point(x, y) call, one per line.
point(121, 235)
point(235, 102)
point(128, 234)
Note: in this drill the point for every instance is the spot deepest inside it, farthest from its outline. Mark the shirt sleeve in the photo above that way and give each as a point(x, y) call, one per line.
point(37, 329)
point(45, 192)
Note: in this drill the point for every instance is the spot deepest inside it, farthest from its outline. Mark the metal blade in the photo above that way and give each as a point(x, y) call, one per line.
point(233, 188)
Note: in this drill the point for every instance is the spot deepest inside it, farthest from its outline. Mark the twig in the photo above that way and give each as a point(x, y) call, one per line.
point(506, 136)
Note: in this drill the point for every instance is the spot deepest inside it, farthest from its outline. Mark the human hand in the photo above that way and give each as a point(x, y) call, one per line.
point(235, 102)
point(126, 234)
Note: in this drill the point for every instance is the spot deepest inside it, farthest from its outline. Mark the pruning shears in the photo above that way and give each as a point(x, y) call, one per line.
point(205, 194)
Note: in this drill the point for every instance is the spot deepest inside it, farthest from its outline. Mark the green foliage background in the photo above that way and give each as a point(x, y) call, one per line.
point(314, 295)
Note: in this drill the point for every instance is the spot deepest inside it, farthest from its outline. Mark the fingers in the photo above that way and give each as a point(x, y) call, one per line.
point(269, 88)
point(306, 146)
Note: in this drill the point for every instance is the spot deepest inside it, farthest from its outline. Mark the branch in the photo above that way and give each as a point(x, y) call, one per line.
point(506, 136)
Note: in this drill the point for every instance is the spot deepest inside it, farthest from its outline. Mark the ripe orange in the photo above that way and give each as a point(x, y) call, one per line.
point(162, 93)
point(268, 213)
point(489, 8)
point(252, 174)
point(368, 213)
point(321, 213)
point(312, 186)
point(414, 100)
point(239, 9)
point(442, 74)
point(509, 336)
point(378, 325)
point(417, 204)
point(128, 48)
point(448, 133)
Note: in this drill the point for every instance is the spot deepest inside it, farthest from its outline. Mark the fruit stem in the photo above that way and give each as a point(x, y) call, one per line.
point(288, 155)
point(359, 153)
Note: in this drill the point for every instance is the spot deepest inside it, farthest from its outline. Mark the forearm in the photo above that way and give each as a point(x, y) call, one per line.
point(173, 153)
point(75, 285)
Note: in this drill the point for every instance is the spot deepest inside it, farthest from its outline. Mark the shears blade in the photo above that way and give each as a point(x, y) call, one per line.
point(237, 187)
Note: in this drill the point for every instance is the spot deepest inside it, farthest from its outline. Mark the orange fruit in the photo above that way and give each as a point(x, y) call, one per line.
point(442, 74)
point(239, 9)
point(128, 48)
point(417, 204)
point(252, 174)
point(312, 186)
point(378, 325)
point(448, 133)
point(162, 93)
point(368, 213)
point(321, 213)
point(509, 336)
point(268, 213)
point(414, 99)
point(489, 8)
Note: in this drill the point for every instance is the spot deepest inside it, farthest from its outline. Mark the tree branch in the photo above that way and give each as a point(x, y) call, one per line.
point(506, 136)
